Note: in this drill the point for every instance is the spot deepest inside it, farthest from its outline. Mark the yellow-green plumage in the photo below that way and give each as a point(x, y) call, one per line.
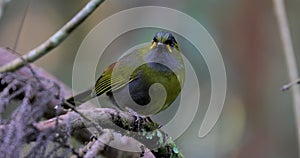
point(130, 78)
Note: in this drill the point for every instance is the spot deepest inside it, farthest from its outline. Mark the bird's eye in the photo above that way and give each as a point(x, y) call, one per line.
point(170, 42)
point(174, 42)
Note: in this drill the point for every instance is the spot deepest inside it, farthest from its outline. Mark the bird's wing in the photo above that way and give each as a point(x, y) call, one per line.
point(107, 82)
point(122, 76)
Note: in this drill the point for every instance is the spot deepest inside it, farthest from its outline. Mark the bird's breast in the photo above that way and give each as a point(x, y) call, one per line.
point(146, 76)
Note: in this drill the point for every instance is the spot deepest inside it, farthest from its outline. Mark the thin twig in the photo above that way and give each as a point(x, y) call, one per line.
point(25, 64)
point(289, 85)
point(290, 58)
point(55, 39)
point(99, 145)
point(21, 27)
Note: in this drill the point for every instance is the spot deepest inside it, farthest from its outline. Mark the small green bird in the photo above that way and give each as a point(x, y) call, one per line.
point(146, 80)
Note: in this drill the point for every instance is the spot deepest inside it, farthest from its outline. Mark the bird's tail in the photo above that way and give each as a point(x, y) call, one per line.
point(78, 99)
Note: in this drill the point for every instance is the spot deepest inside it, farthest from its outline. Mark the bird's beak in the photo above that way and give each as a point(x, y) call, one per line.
point(153, 45)
point(169, 48)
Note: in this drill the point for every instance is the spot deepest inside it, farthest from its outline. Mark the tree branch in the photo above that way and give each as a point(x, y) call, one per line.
point(142, 130)
point(106, 117)
point(136, 130)
point(99, 145)
point(54, 40)
point(290, 58)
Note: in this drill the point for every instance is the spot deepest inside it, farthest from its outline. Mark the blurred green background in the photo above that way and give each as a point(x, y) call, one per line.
point(257, 119)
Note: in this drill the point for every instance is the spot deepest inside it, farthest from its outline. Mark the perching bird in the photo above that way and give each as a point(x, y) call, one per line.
point(146, 80)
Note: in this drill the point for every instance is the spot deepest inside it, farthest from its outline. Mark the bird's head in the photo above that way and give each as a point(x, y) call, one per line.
point(164, 38)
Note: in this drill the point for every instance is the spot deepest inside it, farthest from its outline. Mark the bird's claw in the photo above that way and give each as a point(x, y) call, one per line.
point(93, 138)
point(137, 117)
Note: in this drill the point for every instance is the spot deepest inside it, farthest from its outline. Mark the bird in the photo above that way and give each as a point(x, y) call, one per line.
point(146, 80)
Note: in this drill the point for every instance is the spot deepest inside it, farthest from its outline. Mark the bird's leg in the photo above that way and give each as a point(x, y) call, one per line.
point(132, 112)
point(138, 118)
point(149, 119)
point(93, 137)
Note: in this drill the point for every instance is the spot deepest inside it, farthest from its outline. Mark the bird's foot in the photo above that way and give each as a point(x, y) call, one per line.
point(138, 118)
point(93, 138)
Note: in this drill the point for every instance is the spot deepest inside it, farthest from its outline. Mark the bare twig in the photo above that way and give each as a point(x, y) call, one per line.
point(290, 57)
point(99, 145)
point(55, 39)
point(289, 85)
